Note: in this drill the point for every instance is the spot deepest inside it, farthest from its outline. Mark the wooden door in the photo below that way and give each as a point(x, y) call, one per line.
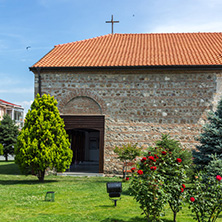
point(94, 122)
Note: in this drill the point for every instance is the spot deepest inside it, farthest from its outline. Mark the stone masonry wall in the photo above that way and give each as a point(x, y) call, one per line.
point(138, 105)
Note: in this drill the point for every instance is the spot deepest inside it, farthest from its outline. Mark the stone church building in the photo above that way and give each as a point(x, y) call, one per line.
point(130, 88)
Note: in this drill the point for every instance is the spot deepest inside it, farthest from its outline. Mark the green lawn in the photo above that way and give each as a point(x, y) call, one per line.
point(76, 199)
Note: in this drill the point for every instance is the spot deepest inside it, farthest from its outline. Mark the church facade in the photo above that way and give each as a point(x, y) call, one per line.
point(130, 88)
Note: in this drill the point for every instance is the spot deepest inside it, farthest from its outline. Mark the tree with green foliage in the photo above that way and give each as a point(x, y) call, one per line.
point(210, 139)
point(127, 153)
point(8, 135)
point(43, 142)
point(175, 148)
point(1, 149)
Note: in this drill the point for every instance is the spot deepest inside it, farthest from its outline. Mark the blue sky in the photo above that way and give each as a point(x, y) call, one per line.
point(42, 24)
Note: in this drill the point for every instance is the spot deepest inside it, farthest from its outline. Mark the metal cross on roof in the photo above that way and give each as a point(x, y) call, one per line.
point(112, 22)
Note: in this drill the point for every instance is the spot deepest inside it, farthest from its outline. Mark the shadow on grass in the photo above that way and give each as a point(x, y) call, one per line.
point(28, 182)
point(9, 168)
point(107, 180)
point(9, 161)
point(126, 192)
point(137, 219)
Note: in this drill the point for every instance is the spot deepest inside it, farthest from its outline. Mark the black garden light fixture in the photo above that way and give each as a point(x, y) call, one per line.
point(114, 189)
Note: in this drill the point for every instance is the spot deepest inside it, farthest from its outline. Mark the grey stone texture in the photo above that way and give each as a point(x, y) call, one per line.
point(138, 105)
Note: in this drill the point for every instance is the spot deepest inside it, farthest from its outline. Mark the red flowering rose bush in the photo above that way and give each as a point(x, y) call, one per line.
point(147, 188)
point(172, 167)
point(162, 179)
point(218, 177)
point(205, 198)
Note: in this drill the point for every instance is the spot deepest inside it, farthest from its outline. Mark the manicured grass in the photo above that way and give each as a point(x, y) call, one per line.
point(76, 199)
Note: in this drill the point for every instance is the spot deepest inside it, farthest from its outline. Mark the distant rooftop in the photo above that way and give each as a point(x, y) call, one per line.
point(8, 103)
point(124, 50)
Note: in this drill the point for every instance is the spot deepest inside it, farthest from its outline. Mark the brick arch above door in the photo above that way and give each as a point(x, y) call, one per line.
point(81, 101)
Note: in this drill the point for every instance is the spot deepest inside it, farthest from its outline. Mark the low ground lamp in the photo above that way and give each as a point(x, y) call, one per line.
point(114, 189)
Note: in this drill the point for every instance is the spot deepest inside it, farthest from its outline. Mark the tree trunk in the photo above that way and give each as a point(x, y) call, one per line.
point(6, 157)
point(124, 171)
point(41, 175)
point(174, 216)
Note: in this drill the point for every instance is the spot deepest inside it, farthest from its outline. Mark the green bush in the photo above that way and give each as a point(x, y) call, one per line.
point(206, 198)
point(127, 153)
point(43, 141)
point(1, 149)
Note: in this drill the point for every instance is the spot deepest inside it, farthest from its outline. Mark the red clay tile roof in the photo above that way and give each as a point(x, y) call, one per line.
point(167, 49)
point(8, 103)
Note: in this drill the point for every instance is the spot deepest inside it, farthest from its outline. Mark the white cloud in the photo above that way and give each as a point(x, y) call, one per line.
point(17, 90)
point(184, 16)
point(175, 28)
point(210, 3)
point(25, 104)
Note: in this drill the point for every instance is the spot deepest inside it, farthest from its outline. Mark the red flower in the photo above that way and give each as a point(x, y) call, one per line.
point(164, 152)
point(179, 160)
point(182, 190)
point(151, 158)
point(192, 199)
point(153, 167)
point(218, 177)
point(140, 172)
point(143, 159)
point(127, 178)
point(183, 185)
point(133, 169)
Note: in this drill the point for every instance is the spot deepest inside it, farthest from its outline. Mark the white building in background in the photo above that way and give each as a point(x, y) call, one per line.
point(16, 112)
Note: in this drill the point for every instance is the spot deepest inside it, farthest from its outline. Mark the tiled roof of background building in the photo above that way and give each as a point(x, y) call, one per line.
point(8, 103)
point(118, 50)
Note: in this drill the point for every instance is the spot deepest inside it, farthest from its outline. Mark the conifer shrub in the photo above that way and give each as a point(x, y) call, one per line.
point(210, 139)
point(213, 169)
point(43, 141)
point(8, 135)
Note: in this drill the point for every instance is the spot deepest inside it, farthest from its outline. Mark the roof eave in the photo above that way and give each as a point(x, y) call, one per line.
point(167, 67)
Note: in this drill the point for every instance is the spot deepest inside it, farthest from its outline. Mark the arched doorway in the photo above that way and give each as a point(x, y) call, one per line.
point(85, 147)
point(86, 133)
